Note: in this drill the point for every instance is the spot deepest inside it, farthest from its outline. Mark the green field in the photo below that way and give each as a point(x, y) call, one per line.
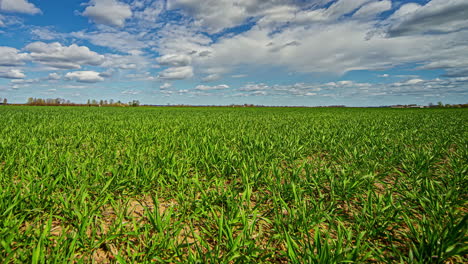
point(233, 185)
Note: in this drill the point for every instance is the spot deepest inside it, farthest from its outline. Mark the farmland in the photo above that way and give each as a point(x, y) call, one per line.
point(233, 185)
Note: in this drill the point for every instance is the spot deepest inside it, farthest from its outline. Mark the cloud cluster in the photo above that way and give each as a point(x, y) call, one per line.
point(438, 16)
point(12, 74)
point(84, 76)
point(12, 57)
point(176, 73)
point(57, 56)
point(174, 60)
point(19, 6)
point(108, 12)
point(211, 88)
point(350, 89)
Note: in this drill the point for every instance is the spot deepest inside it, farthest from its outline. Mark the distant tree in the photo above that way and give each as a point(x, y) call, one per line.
point(111, 101)
point(431, 104)
point(134, 103)
point(440, 104)
point(5, 101)
point(94, 102)
point(89, 102)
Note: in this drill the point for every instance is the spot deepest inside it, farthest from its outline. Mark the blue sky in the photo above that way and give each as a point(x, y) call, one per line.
point(221, 52)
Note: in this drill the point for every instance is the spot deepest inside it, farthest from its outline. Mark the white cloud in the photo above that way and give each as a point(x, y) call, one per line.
point(12, 74)
point(335, 38)
point(84, 76)
point(54, 76)
point(207, 13)
point(254, 87)
point(107, 74)
point(24, 81)
point(147, 13)
point(352, 89)
point(108, 12)
point(175, 60)
point(343, 7)
point(165, 86)
point(176, 73)
point(409, 82)
point(45, 33)
point(130, 92)
point(179, 39)
point(372, 9)
point(211, 77)
point(11, 57)
point(118, 40)
point(239, 75)
point(330, 48)
point(210, 88)
point(73, 86)
point(437, 16)
point(62, 57)
point(125, 62)
point(19, 6)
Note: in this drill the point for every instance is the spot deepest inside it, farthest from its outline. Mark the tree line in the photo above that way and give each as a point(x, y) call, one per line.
point(63, 102)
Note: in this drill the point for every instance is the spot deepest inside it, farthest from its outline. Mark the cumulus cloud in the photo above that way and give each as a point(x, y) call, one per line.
point(174, 60)
point(330, 37)
point(54, 76)
point(19, 6)
point(147, 13)
point(12, 57)
point(12, 74)
point(108, 12)
point(333, 48)
point(165, 86)
point(207, 16)
point(84, 76)
point(207, 12)
point(176, 73)
point(210, 88)
point(62, 57)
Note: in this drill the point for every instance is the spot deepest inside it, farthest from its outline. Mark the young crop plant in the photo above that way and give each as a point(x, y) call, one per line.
point(233, 185)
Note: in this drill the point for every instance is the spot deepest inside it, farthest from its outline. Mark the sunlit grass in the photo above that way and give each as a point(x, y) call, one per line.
point(233, 185)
